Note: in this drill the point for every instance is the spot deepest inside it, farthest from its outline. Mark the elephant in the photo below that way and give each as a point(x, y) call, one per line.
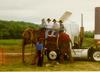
point(64, 46)
point(58, 46)
point(30, 36)
point(62, 42)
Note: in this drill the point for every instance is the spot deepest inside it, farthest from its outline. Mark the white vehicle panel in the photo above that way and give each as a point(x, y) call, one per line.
point(81, 53)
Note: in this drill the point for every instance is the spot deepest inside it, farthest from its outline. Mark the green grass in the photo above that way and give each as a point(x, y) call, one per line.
point(14, 45)
point(76, 66)
point(10, 42)
point(88, 42)
point(14, 63)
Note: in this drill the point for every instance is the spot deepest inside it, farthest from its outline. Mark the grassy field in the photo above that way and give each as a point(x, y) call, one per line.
point(76, 66)
point(14, 63)
point(14, 45)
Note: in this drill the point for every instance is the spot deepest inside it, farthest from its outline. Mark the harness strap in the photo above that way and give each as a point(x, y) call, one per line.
point(57, 41)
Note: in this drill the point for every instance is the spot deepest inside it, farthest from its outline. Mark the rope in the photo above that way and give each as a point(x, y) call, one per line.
point(57, 40)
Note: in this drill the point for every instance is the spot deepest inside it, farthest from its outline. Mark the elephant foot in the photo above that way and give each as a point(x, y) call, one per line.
point(71, 61)
point(33, 63)
point(47, 65)
point(23, 62)
point(61, 61)
point(55, 63)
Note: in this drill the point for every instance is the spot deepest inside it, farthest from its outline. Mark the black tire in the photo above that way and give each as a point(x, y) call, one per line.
point(95, 55)
point(53, 55)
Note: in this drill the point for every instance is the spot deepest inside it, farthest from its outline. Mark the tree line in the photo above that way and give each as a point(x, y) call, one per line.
point(14, 29)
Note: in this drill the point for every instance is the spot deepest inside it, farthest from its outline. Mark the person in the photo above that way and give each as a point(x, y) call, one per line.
point(49, 24)
point(61, 25)
point(43, 24)
point(55, 27)
point(48, 28)
point(39, 48)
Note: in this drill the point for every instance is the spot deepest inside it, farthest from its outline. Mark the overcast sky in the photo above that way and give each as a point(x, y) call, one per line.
point(35, 10)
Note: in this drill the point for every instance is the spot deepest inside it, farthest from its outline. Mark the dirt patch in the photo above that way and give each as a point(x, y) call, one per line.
point(12, 58)
point(2, 56)
point(16, 59)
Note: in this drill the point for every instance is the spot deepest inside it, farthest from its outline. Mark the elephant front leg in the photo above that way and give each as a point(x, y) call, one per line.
point(34, 61)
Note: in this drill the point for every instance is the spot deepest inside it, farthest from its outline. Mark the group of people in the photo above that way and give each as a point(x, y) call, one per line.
point(52, 25)
point(49, 25)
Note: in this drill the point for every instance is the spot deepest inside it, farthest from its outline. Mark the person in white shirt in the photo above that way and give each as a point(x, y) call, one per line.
point(49, 27)
point(55, 27)
point(49, 23)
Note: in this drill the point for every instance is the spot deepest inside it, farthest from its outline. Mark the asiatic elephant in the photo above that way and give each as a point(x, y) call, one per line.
point(30, 36)
point(64, 43)
point(61, 43)
point(58, 46)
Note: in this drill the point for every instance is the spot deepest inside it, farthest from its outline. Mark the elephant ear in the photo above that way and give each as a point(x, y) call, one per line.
point(63, 37)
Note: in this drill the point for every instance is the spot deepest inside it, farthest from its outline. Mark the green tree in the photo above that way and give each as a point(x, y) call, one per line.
point(14, 29)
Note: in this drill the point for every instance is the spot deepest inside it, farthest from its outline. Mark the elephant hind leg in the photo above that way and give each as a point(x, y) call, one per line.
point(62, 53)
point(70, 55)
point(61, 59)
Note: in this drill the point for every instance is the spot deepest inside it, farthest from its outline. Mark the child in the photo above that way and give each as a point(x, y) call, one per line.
point(39, 47)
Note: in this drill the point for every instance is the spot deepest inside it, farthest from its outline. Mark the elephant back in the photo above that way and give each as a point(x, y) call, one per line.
point(63, 37)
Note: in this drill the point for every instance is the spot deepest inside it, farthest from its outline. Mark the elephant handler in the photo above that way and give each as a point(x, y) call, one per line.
point(39, 53)
point(55, 27)
point(61, 25)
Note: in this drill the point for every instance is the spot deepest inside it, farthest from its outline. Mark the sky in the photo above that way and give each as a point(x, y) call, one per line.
point(34, 10)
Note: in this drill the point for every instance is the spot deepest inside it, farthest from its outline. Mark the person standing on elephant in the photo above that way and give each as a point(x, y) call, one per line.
point(61, 25)
point(49, 23)
point(55, 27)
point(43, 24)
point(49, 27)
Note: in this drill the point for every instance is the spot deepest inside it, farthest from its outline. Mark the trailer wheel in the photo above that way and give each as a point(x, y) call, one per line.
point(96, 55)
point(52, 55)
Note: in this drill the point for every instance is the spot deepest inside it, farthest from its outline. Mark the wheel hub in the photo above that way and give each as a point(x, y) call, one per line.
point(96, 56)
point(53, 55)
